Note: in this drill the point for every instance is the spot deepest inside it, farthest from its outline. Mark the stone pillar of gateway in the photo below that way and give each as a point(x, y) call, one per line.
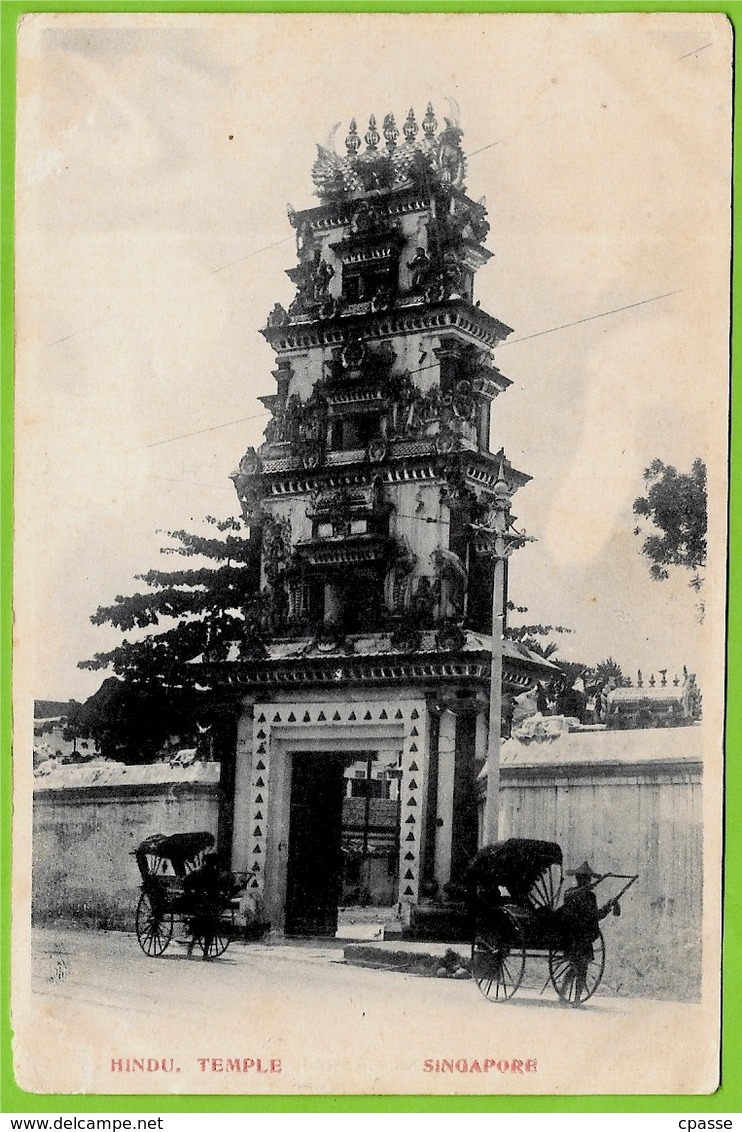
point(363, 675)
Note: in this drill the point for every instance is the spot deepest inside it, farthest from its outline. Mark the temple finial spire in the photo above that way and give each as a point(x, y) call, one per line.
point(391, 133)
point(353, 141)
point(410, 127)
point(430, 122)
point(373, 137)
point(502, 487)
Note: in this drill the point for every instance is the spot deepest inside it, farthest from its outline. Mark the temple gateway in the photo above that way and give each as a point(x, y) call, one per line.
point(358, 720)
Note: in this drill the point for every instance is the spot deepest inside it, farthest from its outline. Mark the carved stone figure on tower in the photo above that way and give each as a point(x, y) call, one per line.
point(454, 580)
point(278, 316)
point(250, 494)
point(365, 218)
point(405, 401)
point(420, 267)
point(324, 274)
point(275, 430)
point(453, 274)
point(424, 602)
point(398, 581)
point(449, 158)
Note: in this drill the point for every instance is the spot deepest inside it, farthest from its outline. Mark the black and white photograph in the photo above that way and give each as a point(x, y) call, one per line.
point(371, 427)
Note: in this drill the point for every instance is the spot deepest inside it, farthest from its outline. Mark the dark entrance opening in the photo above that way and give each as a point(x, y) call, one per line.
point(315, 858)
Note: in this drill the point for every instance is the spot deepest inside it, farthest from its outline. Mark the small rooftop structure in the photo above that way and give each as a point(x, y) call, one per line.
point(655, 706)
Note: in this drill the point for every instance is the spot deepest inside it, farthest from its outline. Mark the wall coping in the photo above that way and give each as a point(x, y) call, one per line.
point(116, 792)
point(97, 775)
point(631, 747)
point(597, 769)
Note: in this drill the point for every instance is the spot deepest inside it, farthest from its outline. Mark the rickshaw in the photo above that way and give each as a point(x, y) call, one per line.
point(520, 910)
point(181, 883)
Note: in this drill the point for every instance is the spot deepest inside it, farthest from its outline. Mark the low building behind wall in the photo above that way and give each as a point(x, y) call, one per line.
point(627, 802)
point(83, 836)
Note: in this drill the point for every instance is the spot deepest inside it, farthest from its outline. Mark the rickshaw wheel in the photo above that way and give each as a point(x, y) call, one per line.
point(154, 930)
point(218, 944)
point(547, 889)
point(215, 943)
point(497, 966)
point(564, 975)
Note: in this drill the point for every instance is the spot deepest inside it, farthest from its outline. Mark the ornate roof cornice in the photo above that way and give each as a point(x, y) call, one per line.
point(334, 214)
point(364, 246)
point(351, 550)
point(408, 316)
point(405, 461)
point(384, 666)
point(338, 214)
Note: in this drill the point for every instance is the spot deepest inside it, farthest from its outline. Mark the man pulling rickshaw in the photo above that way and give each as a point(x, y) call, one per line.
point(578, 922)
point(208, 891)
point(519, 910)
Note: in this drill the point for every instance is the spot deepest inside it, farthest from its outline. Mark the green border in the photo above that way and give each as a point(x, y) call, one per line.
point(13, 1099)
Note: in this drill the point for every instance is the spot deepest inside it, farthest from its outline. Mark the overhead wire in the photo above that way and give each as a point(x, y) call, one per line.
point(211, 428)
point(224, 266)
point(592, 317)
point(194, 483)
point(419, 369)
point(254, 252)
point(434, 365)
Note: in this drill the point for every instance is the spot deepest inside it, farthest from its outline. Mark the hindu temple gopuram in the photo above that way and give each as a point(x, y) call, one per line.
point(361, 720)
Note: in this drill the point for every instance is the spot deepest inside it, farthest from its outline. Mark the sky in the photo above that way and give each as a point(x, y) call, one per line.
point(156, 158)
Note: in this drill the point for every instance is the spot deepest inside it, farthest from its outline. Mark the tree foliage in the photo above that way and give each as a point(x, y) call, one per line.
point(674, 510)
point(592, 674)
point(130, 721)
point(605, 669)
point(528, 635)
point(196, 610)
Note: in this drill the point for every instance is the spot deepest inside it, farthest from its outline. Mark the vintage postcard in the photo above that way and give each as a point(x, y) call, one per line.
point(406, 338)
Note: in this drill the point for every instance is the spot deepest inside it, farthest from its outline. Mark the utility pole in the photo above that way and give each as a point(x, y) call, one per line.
point(501, 539)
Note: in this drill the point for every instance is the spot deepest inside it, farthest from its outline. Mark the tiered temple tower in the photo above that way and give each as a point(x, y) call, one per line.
point(364, 503)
